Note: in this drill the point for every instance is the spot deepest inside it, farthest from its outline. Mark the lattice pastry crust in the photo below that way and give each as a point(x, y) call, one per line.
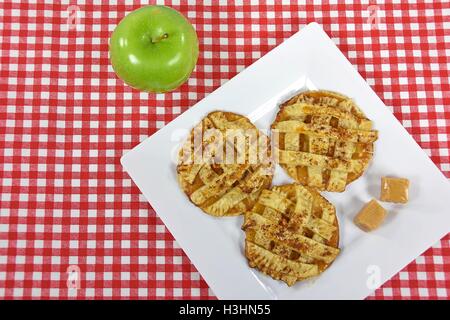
point(323, 140)
point(223, 186)
point(292, 233)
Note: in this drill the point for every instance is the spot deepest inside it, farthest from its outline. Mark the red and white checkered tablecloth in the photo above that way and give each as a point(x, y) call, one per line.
point(65, 120)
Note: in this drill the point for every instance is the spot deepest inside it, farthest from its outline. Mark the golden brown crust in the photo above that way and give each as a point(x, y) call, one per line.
point(292, 233)
point(323, 140)
point(216, 184)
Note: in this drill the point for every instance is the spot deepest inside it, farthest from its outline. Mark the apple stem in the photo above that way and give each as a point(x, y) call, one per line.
point(158, 39)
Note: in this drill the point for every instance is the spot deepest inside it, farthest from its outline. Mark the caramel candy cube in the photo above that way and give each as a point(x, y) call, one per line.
point(394, 190)
point(371, 216)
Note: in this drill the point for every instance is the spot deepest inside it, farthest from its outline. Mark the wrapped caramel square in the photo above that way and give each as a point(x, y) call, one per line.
point(394, 190)
point(371, 216)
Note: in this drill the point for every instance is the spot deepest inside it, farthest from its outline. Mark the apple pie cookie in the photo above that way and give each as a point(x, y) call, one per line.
point(323, 140)
point(292, 233)
point(224, 164)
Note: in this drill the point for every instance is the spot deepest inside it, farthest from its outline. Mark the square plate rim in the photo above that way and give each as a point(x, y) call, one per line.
point(313, 27)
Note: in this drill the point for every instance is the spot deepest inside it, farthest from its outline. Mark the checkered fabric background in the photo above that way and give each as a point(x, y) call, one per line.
point(65, 120)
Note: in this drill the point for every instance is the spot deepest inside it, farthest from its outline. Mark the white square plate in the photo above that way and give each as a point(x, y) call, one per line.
point(307, 60)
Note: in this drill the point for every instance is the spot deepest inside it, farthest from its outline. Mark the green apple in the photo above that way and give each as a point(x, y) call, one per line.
point(154, 49)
